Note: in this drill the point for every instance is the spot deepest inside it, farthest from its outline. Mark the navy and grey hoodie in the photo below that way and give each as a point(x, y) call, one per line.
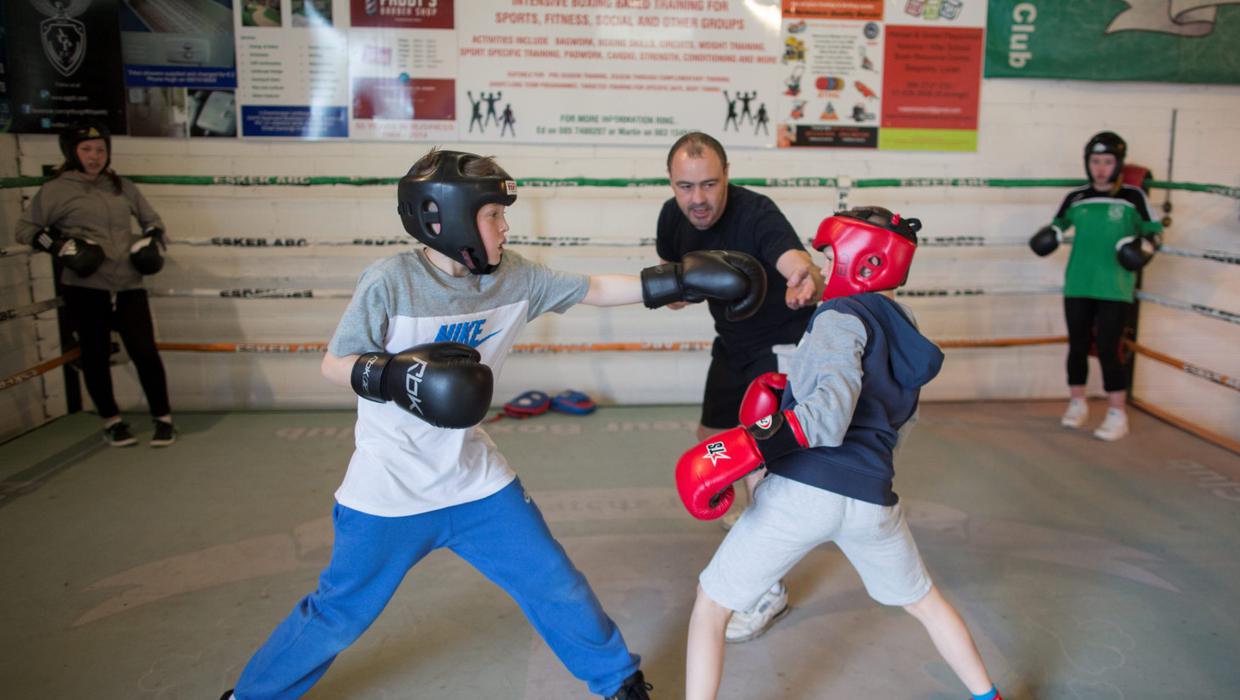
point(853, 382)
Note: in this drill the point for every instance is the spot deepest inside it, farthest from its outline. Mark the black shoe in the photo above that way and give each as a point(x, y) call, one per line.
point(165, 434)
point(633, 688)
point(227, 695)
point(118, 435)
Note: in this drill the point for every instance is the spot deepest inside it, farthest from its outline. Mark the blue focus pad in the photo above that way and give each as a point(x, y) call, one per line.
point(528, 405)
point(574, 402)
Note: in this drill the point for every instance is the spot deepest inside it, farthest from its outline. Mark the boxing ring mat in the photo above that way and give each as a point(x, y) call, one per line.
point(1084, 569)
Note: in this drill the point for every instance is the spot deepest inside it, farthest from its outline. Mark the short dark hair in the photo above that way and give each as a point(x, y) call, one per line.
point(695, 144)
point(480, 166)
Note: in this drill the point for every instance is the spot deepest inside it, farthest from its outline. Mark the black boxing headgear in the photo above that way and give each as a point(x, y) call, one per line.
point(448, 197)
point(78, 132)
point(1106, 142)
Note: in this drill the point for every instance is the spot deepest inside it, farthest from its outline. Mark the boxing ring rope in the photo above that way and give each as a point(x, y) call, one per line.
point(41, 368)
point(1207, 311)
point(309, 293)
point(841, 182)
point(1219, 256)
point(675, 346)
point(530, 348)
point(278, 243)
point(1219, 378)
point(1186, 425)
point(15, 250)
point(30, 310)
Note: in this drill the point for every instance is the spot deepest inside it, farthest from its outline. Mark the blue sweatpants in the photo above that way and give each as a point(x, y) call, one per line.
point(503, 536)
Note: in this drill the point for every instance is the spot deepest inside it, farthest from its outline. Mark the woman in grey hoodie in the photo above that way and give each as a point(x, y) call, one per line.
point(82, 218)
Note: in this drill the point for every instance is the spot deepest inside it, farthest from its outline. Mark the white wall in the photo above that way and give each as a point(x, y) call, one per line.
point(25, 341)
point(1028, 129)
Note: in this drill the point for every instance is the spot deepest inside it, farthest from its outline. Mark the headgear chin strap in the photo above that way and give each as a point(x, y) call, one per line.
point(78, 132)
point(450, 198)
point(873, 250)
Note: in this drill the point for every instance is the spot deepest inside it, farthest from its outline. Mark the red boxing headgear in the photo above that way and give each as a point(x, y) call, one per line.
point(873, 250)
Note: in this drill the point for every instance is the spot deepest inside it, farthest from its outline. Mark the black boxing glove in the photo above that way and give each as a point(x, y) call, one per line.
point(724, 275)
point(147, 253)
point(1046, 240)
point(444, 384)
point(1135, 252)
point(80, 255)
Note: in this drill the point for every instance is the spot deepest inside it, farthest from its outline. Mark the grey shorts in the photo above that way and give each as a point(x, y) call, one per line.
point(787, 519)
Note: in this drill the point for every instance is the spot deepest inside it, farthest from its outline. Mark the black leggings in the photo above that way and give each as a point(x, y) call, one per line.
point(93, 317)
point(1108, 319)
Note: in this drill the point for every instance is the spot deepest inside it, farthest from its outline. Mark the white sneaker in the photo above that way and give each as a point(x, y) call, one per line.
point(1076, 415)
point(1114, 426)
point(753, 623)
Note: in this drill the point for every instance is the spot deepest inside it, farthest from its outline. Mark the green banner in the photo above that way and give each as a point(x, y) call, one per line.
point(1166, 41)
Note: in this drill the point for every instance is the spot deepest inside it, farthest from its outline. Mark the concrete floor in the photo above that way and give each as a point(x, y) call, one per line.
point(1085, 570)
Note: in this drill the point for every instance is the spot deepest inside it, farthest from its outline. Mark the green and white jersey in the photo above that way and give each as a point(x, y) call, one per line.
point(1101, 219)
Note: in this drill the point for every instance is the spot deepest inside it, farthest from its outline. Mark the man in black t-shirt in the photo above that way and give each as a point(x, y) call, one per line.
point(709, 214)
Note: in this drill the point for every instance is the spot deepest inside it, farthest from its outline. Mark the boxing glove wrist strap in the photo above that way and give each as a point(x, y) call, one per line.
point(661, 285)
point(777, 435)
point(366, 378)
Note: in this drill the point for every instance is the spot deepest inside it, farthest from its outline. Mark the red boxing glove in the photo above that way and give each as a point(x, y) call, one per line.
point(705, 474)
point(763, 397)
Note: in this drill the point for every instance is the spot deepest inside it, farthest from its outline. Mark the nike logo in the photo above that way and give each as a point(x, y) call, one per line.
point(466, 332)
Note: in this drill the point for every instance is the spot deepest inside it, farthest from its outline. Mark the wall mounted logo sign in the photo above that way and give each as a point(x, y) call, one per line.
point(64, 38)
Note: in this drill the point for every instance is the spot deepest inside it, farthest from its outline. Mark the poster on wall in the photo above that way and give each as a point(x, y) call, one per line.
point(180, 67)
point(402, 70)
point(1169, 41)
point(933, 79)
point(634, 72)
point(292, 69)
point(70, 58)
point(891, 74)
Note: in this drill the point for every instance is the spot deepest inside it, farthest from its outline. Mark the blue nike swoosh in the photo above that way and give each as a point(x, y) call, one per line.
point(485, 338)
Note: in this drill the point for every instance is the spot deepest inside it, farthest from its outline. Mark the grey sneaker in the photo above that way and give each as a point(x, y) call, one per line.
point(634, 687)
point(753, 623)
point(118, 435)
point(165, 434)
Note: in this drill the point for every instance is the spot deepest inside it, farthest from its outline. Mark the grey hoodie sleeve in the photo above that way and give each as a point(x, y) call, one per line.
point(142, 210)
point(825, 375)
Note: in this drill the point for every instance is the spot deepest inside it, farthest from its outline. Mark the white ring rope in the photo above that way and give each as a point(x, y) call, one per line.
point(308, 293)
point(1220, 256)
point(1207, 311)
point(31, 310)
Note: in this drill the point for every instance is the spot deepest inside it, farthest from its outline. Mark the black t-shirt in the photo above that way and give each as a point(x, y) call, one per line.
point(751, 223)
